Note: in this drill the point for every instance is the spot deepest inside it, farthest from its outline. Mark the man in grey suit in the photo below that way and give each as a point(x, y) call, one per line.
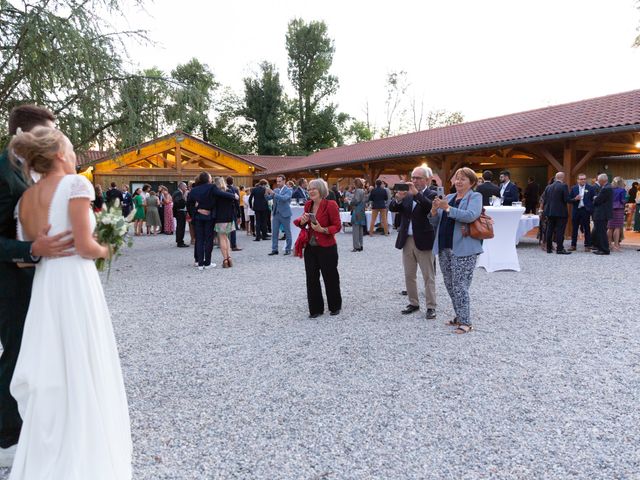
point(281, 214)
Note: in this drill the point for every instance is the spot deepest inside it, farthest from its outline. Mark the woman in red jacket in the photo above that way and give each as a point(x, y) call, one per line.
point(321, 220)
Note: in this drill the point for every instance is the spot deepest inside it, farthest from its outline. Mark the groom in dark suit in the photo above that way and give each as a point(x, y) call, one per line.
point(15, 283)
point(415, 239)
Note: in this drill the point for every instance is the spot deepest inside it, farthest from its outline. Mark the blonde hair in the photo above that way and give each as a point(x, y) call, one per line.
point(220, 183)
point(467, 172)
point(618, 182)
point(38, 147)
point(320, 185)
point(358, 182)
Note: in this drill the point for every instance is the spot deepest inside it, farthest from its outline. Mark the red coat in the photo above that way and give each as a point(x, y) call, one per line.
point(327, 216)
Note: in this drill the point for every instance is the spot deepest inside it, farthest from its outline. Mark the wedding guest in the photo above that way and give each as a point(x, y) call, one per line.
point(179, 199)
point(556, 197)
point(508, 190)
point(167, 201)
point(581, 196)
point(242, 193)
point(488, 189)
point(378, 198)
point(67, 381)
point(358, 217)
point(631, 205)
point(615, 226)
point(457, 251)
point(258, 203)
point(236, 214)
point(602, 213)
point(113, 194)
point(319, 223)
point(531, 196)
point(140, 215)
point(415, 239)
point(249, 215)
point(192, 229)
point(98, 202)
point(15, 282)
point(300, 193)
point(127, 201)
point(636, 219)
point(225, 216)
point(281, 198)
point(152, 215)
point(160, 195)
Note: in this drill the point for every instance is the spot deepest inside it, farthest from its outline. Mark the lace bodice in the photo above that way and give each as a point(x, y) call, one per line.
point(71, 186)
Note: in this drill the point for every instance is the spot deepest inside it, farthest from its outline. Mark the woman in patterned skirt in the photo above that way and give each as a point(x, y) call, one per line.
point(153, 216)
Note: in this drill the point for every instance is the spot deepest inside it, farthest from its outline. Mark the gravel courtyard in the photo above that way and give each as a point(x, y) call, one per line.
point(227, 377)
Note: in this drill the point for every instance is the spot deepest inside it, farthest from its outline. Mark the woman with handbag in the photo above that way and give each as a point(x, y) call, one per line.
point(319, 224)
point(456, 249)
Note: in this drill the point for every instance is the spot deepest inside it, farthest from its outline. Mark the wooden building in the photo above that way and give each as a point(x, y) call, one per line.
point(168, 160)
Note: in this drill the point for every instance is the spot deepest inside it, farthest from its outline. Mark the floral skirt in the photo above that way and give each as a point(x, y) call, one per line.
point(226, 227)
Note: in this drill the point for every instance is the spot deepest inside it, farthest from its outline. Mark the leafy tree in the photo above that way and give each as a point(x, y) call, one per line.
point(63, 55)
point(230, 131)
point(358, 131)
point(141, 106)
point(264, 104)
point(310, 52)
point(443, 118)
point(191, 98)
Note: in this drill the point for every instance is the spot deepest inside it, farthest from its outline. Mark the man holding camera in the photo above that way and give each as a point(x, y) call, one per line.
point(415, 237)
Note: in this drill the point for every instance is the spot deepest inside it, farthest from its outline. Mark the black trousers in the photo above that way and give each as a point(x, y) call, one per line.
point(599, 234)
point(204, 241)
point(161, 212)
point(555, 228)
point(242, 221)
point(13, 312)
point(531, 208)
point(322, 260)
point(181, 223)
point(261, 223)
point(581, 218)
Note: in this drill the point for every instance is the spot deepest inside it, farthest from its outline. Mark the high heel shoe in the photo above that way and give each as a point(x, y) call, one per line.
point(225, 263)
point(229, 262)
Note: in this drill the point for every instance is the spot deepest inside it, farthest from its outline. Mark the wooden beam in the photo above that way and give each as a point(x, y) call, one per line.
point(588, 156)
point(543, 152)
point(178, 158)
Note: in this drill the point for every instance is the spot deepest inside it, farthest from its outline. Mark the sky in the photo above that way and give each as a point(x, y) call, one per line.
point(482, 58)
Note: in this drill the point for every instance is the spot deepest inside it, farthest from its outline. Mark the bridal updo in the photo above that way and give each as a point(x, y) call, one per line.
point(38, 147)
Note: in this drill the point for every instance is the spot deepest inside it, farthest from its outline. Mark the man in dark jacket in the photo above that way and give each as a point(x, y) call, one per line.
point(602, 213)
point(488, 189)
point(531, 196)
point(180, 213)
point(236, 213)
point(113, 194)
point(378, 198)
point(258, 203)
point(15, 283)
point(556, 198)
point(508, 190)
point(415, 239)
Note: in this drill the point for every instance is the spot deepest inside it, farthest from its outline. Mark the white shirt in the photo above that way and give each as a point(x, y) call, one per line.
point(410, 229)
point(581, 190)
point(504, 187)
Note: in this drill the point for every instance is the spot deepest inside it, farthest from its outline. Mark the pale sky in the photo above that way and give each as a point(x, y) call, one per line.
point(483, 58)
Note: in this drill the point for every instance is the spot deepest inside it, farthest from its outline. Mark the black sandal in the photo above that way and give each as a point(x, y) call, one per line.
point(454, 322)
point(463, 329)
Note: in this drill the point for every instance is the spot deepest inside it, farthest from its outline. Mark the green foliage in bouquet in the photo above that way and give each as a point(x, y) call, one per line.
point(112, 228)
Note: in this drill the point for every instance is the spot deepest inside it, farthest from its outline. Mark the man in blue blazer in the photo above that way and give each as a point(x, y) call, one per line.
point(281, 197)
point(508, 190)
point(581, 197)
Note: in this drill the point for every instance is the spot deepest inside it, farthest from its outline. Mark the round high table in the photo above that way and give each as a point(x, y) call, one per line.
point(296, 212)
point(500, 251)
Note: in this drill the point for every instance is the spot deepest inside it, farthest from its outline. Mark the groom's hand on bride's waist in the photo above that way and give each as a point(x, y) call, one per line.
point(52, 246)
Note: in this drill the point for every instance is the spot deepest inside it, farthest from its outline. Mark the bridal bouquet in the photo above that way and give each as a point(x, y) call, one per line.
point(112, 228)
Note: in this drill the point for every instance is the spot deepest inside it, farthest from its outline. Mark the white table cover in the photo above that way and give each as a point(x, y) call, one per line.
point(500, 251)
point(296, 212)
point(527, 223)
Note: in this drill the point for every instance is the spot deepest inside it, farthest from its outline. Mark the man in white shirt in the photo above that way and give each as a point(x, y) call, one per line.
point(581, 197)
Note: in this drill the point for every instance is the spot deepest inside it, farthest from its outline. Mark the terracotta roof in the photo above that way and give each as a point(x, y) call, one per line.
point(276, 164)
point(618, 112)
point(89, 156)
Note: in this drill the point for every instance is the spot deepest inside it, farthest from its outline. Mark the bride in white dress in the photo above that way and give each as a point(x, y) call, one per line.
point(67, 382)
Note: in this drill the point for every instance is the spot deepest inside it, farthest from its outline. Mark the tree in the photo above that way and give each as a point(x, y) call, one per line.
point(141, 106)
point(310, 52)
point(191, 98)
point(63, 55)
point(230, 130)
point(358, 131)
point(263, 105)
point(443, 118)
point(395, 110)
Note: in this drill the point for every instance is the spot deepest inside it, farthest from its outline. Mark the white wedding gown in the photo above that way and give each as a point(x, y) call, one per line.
point(68, 382)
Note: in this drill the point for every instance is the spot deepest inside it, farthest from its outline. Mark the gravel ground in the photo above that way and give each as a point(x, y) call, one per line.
point(227, 377)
